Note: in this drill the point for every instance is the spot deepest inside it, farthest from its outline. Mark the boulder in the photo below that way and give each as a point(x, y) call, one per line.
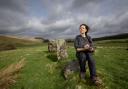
point(70, 68)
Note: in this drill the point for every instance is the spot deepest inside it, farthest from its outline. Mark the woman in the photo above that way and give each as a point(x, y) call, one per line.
point(84, 49)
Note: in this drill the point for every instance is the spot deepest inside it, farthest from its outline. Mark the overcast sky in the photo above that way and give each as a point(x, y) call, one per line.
point(61, 18)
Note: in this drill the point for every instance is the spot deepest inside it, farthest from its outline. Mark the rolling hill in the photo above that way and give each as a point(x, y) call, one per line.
point(11, 42)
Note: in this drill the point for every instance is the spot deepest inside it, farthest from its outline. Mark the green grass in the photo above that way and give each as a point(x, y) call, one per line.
point(42, 71)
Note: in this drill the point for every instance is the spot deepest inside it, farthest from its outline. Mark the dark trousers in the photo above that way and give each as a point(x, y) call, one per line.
point(83, 57)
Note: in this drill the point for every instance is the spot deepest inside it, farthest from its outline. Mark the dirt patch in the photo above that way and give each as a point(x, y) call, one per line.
point(9, 75)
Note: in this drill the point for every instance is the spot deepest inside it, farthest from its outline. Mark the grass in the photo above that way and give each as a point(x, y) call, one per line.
point(9, 75)
point(42, 71)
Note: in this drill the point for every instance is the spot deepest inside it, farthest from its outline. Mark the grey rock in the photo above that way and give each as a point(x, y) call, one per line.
point(70, 68)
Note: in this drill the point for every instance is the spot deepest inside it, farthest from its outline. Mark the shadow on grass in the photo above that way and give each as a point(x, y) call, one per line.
point(47, 52)
point(52, 57)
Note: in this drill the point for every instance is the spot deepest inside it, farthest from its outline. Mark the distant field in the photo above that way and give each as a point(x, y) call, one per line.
point(116, 42)
point(4, 40)
point(42, 71)
point(8, 43)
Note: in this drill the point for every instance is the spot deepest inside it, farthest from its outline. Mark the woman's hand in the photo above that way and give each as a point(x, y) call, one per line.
point(87, 46)
point(91, 49)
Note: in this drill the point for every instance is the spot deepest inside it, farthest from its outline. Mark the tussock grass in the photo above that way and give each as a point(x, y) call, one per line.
point(9, 75)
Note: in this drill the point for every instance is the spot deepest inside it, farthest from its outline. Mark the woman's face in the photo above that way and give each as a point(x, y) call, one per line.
point(83, 29)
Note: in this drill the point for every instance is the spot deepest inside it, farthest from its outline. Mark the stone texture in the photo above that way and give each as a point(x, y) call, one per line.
point(58, 46)
point(71, 67)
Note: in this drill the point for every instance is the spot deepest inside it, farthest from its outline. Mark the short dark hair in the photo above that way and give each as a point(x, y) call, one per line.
point(86, 26)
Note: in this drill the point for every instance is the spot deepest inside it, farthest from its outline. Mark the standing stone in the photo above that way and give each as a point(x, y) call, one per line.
point(61, 49)
point(58, 46)
point(52, 47)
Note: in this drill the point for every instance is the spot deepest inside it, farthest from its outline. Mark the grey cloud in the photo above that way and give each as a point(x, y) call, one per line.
point(117, 24)
point(9, 18)
point(13, 16)
point(14, 5)
point(80, 3)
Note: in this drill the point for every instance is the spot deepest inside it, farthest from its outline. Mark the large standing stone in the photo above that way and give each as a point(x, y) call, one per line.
point(61, 49)
point(58, 46)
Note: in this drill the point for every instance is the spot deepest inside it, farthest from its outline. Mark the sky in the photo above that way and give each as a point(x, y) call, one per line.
point(54, 19)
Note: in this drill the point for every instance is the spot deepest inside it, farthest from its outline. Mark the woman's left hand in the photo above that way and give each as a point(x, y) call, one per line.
point(91, 49)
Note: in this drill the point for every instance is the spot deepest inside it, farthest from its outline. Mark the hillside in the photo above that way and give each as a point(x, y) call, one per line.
point(112, 37)
point(118, 36)
point(9, 42)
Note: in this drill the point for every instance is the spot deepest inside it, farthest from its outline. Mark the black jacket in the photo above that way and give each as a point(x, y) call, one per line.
point(80, 41)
